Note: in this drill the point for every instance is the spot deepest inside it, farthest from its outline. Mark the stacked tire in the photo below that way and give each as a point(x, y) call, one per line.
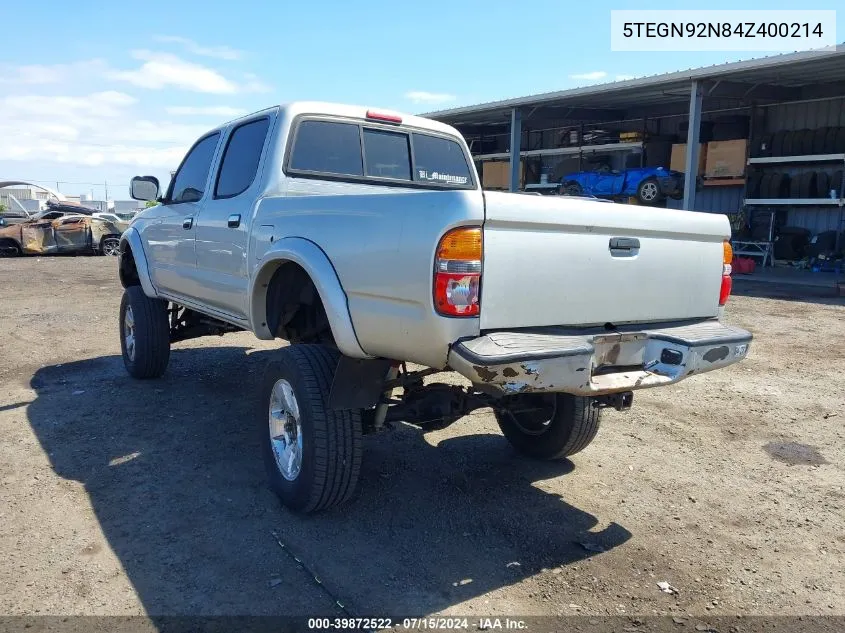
point(806, 142)
point(775, 184)
point(802, 185)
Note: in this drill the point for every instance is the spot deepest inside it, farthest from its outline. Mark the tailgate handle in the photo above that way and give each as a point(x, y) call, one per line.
point(624, 243)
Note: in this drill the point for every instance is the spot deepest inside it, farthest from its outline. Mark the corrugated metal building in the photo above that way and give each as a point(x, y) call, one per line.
point(797, 91)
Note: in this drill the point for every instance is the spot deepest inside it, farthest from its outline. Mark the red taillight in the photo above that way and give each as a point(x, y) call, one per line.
point(457, 273)
point(382, 116)
point(725, 291)
point(727, 284)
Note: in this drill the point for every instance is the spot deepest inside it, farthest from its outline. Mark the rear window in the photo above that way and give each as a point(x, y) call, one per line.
point(387, 154)
point(439, 160)
point(327, 147)
point(334, 149)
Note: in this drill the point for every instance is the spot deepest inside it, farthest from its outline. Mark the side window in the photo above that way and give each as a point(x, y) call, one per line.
point(387, 154)
point(440, 160)
point(240, 159)
point(327, 147)
point(189, 182)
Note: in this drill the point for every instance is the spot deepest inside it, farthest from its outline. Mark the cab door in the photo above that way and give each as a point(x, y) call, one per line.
point(222, 226)
point(170, 234)
point(38, 237)
point(72, 235)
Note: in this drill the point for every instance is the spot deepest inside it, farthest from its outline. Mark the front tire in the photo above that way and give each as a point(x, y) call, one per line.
point(311, 452)
point(551, 426)
point(10, 248)
point(144, 334)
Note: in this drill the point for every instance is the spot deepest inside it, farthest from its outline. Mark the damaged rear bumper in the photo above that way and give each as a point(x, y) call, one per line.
point(595, 362)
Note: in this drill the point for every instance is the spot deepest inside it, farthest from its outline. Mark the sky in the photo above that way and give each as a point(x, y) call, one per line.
point(94, 93)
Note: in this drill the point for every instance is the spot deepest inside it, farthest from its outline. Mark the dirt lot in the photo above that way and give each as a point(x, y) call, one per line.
point(124, 497)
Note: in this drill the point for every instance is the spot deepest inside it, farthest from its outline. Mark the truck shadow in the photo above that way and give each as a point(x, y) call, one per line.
point(173, 473)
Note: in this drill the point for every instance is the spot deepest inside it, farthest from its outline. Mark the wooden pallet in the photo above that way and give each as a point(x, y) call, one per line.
point(724, 181)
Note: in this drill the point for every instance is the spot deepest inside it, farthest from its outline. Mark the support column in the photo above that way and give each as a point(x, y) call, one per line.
point(516, 142)
point(691, 167)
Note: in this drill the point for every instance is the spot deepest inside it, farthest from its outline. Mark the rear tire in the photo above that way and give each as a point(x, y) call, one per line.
point(311, 452)
point(144, 334)
point(550, 426)
point(110, 246)
point(648, 192)
point(571, 188)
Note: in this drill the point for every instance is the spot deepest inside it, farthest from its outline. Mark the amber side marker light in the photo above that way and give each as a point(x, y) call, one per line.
point(457, 273)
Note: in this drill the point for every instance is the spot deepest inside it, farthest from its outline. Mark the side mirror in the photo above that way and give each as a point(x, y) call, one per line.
point(144, 188)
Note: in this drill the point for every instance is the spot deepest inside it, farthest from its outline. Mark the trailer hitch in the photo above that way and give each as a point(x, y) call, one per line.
point(620, 401)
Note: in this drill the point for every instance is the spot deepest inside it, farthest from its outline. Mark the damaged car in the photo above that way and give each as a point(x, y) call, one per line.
point(58, 231)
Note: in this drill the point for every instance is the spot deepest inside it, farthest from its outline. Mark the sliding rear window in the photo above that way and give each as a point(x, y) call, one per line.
point(380, 154)
point(387, 154)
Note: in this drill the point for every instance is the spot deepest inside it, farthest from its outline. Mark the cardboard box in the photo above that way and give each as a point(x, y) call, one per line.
point(678, 162)
point(726, 159)
point(497, 174)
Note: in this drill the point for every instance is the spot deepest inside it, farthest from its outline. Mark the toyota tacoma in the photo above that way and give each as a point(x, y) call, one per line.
point(362, 238)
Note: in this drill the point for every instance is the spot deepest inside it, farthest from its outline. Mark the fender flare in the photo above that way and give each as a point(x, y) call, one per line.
point(133, 239)
point(319, 268)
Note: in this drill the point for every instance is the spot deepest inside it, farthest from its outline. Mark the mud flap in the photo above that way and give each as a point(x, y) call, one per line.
point(358, 383)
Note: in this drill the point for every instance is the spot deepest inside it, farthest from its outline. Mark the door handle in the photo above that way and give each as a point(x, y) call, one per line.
point(188, 222)
point(234, 221)
point(624, 243)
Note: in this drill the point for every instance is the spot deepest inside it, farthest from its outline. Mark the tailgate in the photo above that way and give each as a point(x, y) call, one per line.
point(552, 260)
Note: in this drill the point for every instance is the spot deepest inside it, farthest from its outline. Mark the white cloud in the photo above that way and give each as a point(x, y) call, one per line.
point(161, 70)
point(218, 52)
point(592, 76)
point(40, 74)
point(98, 130)
point(430, 98)
point(205, 111)
point(88, 120)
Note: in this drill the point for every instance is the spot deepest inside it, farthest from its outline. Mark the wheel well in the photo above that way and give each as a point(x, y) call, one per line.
point(128, 271)
point(295, 311)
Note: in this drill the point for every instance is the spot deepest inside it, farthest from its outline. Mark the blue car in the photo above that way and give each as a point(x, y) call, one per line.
point(650, 185)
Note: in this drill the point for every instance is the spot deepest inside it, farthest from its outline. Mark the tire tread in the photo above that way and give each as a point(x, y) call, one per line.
point(152, 334)
point(573, 413)
point(338, 447)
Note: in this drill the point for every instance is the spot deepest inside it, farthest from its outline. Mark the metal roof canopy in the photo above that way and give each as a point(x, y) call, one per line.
point(776, 79)
point(806, 75)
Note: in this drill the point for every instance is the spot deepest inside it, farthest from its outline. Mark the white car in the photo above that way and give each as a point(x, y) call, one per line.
point(113, 218)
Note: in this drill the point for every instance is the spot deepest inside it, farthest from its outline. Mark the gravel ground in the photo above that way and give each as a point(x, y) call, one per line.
point(125, 497)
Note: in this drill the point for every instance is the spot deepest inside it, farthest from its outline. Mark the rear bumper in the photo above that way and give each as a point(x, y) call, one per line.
point(671, 185)
point(596, 362)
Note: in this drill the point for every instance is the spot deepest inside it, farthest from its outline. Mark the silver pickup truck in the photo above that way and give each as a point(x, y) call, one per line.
point(363, 238)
